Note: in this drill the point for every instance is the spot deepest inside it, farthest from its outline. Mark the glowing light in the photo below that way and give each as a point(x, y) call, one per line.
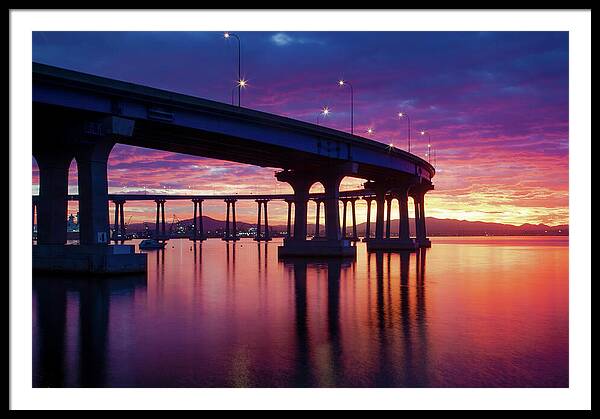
point(422, 132)
point(226, 35)
point(325, 111)
point(341, 82)
point(400, 114)
point(370, 131)
point(242, 83)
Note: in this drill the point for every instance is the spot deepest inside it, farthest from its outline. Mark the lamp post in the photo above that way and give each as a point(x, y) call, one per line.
point(324, 112)
point(228, 35)
point(428, 153)
point(344, 83)
point(405, 115)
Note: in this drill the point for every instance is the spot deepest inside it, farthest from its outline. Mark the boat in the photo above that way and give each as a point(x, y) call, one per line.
point(151, 244)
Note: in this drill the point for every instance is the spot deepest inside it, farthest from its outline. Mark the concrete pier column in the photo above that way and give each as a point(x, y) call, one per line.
point(156, 228)
point(198, 230)
point(227, 233)
point(331, 244)
point(404, 228)
point(52, 202)
point(33, 210)
point(354, 233)
point(122, 222)
point(267, 232)
point(388, 222)
point(195, 221)
point(289, 218)
point(300, 202)
point(368, 226)
point(300, 183)
point(332, 208)
point(116, 223)
point(234, 224)
point(258, 229)
point(417, 216)
point(200, 220)
point(344, 214)
point(92, 160)
point(318, 218)
point(163, 226)
point(423, 229)
point(119, 223)
point(380, 200)
point(230, 228)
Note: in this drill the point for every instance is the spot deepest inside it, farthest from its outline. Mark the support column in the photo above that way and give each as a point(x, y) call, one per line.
point(92, 159)
point(267, 232)
point(404, 227)
point(332, 208)
point(156, 229)
point(233, 219)
point(388, 222)
point(52, 205)
point(318, 218)
point(33, 209)
point(423, 229)
point(116, 223)
point(380, 200)
point(164, 231)
point(354, 234)
point(230, 229)
point(227, 232)
point(368, 225)
point(122, 223)
point(258, 222)
point(419, 197)
point(331, 244)
point(344, 206)
point(289, 218)
point(417, 216)
point(200, 229)
point(195, 220)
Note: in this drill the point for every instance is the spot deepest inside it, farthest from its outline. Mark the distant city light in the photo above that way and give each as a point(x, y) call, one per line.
point(242, 83)
point(325, 111)
point(341, 82)
point(370, 131)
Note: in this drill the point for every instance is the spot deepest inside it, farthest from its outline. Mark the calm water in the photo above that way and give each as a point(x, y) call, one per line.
point(469, 312)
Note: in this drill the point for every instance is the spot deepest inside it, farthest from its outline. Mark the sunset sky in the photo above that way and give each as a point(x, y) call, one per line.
point(495, 103)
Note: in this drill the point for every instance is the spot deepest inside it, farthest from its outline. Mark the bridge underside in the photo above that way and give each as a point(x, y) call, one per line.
point(61, 133)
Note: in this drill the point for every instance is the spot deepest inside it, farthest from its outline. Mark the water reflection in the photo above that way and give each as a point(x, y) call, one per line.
point(217, 314)
point(93, 297)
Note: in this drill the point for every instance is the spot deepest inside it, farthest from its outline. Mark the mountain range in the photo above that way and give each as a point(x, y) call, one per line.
point(435, 227)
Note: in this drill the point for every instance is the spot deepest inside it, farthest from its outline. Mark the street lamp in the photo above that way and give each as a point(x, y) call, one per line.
point(343, 83)
point(405, 115)
point(428, 154)
point(228, 35)
point(324, 112)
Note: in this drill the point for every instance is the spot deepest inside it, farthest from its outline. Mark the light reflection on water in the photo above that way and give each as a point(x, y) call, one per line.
point(469, 312)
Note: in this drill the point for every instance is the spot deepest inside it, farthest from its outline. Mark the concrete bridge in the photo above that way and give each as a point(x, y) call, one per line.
point(347, 198)
point(81, 116)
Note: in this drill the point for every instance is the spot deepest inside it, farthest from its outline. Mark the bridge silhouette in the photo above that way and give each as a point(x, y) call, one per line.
point(80, 116)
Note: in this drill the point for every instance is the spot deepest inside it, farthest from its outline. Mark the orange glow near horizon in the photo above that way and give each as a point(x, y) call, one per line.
point(521, 201)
